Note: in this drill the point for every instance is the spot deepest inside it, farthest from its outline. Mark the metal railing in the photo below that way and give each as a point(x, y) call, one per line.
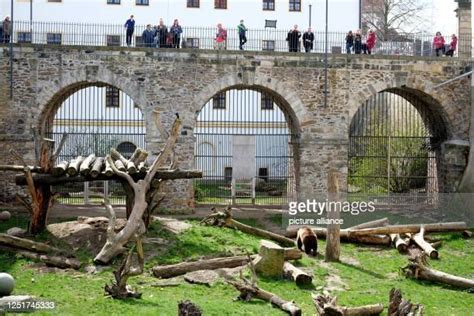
point(89, 34)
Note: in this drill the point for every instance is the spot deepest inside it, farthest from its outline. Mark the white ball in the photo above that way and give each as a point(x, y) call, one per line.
point(7, 283)
point(5, 216)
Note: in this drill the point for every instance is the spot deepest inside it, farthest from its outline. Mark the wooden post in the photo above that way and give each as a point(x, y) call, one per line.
point(333, 241)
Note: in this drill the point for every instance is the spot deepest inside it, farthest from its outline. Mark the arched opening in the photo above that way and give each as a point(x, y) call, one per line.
point(95, 117)
point(395, 141)
point(246, 145)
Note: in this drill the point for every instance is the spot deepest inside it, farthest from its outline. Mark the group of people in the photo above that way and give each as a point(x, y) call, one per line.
point(440, 46)
point(293, 39)
point(221, 36)
point(156, 36)
point(360, 44)
point(5, 30)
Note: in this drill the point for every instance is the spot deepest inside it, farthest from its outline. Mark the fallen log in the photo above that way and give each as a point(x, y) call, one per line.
point(139, 156)
point(108, 169)
point(20, 168)
point(293, 254)
point(417, 269)
point(344, 235)
point(54, 261)
point(427, 248)
point(299, 276)
point(467, 234)
point(173, 270)
point(22, 243)
point(375, 223)
point(120, 166)
point(249, 291)
point(60, 168)
point(131, 168)
point(118, 156)
point(327, 306)
point(85, 168)
point(414, 228)
point(74, 165)
point(399, 306)
point(399, 243)
point(142, 167)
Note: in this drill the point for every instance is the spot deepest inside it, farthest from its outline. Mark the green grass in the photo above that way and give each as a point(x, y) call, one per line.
point(369, 279)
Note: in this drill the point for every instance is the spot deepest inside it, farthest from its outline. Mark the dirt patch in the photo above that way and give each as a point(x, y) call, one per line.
point(173, 225)
point(334, 283)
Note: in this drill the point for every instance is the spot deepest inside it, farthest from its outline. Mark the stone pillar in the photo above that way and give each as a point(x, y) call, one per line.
point(463, 12)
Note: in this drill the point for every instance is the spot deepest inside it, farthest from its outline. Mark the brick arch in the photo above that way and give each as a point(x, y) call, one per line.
point(289, 102)
point(75, 81)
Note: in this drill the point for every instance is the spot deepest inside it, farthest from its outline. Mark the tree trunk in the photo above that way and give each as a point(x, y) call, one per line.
point(22, 243)
point(40, 209)
point(327, 306)
point(333, 239)
point(86, 165)
point(398, 306)
point(414, 228)
point(262, 233)
point(299, 276)
point(376, 223)
point(399, 243)
point(321, 232)
point(427, 248)
point(128, 197)
point(54, 261)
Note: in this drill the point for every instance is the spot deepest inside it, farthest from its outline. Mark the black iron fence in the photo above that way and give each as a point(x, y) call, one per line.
point(269, 39)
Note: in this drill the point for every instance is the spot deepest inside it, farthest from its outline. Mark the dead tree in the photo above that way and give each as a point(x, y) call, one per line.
point(41, 196)
point(327, 306)
point(115, 242)
point(399, 306)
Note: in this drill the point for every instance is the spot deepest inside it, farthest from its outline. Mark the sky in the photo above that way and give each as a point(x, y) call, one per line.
point(443, 17)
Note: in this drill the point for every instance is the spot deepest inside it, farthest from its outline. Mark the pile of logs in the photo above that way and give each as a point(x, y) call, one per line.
point(38, 251)
point(327, 306)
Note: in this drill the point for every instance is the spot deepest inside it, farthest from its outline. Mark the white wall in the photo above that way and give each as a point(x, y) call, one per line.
point(343, 14)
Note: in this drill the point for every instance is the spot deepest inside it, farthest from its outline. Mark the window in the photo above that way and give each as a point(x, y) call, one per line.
point(295, 5)
point(112, 97)
point(263, 173)
point(220, 4)
point(113, 40)
point(55, 0)
point(228, 174)
point(218, 102)
point(269, 5)
point(268, 45)
point(142, 2)
point(266, 102)
point(113, 1)
point(24, 37)
point(193, 3)
point(192, 43)
point(53, 38)
point(271, 23)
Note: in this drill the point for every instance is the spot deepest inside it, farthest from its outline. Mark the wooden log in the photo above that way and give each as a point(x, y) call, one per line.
point(327, 306)
point(398, 306)
point(437, 244)
point(418, 270)
point(108, 169)
point(173, 270)
point(376, 223)
point(55, 261)
point(97, 167)
point(139, 156)
point(333, 238)
point(292, 254)
point(86, 165)
point(248, 291)
point(399, 243)
point(427, 248)
point(19, 168)
point(284, 241)
point(467, 234)
point(74, 165)
point(48, 179)
point(188, 308)
point(118, 156)
point(299, 276)
point(131, 168)
point(270, 259)
point(413, 228)
point(22, 243)
point(60, 169)
point(120, 166)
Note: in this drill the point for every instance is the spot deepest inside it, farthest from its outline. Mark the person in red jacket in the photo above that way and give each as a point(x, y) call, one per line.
point(370, 43)
point(438, 43)
point(452, 46)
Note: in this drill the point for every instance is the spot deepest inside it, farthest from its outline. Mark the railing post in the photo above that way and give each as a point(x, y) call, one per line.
point(106, 189)
point(86, 193)
point(253, 190)
point(233, 190)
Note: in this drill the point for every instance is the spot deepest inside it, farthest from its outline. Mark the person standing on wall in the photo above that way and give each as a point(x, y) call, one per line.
point(148, 36)
point(221, 37)
point(242, 34)
point(370, 42)
point(293, 39)
point(6, 30)
point(452, 46)
point(176, 31)
point(130, 27)
point(161, 34)
point(357, 42)
point(438, 44)
point(349, 42)
point(308, 39)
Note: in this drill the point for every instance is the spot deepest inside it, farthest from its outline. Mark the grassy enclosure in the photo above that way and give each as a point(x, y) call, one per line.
point(364, 276)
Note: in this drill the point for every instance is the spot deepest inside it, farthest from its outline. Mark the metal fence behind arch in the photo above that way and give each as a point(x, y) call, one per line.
point(269, 39)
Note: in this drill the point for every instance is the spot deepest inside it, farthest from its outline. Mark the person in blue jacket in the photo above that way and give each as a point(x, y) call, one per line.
point(148, 36)
point(130, 27)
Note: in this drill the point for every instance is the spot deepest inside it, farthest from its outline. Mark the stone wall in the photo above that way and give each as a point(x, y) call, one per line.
point(183, 81)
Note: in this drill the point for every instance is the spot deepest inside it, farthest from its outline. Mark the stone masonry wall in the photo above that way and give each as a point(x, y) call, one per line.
point(183, 81)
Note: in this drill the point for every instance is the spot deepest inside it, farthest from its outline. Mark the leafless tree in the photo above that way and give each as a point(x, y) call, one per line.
point(390, 18)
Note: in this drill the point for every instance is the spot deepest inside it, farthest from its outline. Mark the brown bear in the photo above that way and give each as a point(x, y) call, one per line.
point(307, 241)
